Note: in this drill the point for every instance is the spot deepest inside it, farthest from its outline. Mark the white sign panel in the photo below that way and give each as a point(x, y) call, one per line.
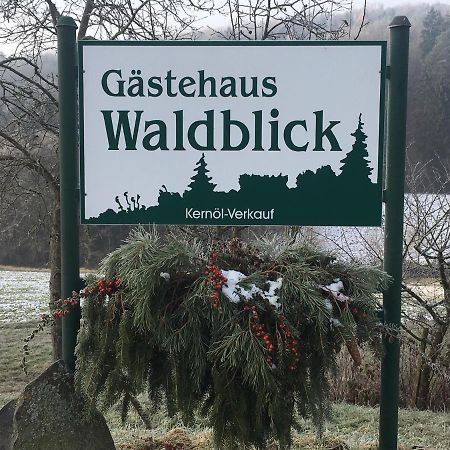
point(232, 133)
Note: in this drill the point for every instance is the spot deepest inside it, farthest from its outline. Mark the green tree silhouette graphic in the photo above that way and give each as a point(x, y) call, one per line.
point(201, 183)
point(319, 198)
point(356, 167)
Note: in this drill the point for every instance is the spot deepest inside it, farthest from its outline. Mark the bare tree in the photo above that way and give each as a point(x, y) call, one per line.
point(29, 90)
point(427, 253)
point(285, 19)
point(426, 268)
point(29, 95)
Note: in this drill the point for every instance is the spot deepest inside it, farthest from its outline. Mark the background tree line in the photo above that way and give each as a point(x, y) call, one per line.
point(429, 80)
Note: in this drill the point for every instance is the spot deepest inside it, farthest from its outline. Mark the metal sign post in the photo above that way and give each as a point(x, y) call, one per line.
point(68, 160)
point(393, 239)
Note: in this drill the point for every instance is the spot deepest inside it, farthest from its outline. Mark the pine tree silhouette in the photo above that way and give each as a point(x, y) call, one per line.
point(201, 182)
point(355, 165)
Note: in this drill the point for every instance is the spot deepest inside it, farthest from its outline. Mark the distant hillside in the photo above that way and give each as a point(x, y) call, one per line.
point(428, 131)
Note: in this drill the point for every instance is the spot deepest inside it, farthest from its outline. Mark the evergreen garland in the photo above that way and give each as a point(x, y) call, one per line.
point(249, 363)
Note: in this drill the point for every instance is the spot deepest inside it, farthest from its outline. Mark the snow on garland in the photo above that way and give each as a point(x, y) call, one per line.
point(236, 293)
point(241, 335)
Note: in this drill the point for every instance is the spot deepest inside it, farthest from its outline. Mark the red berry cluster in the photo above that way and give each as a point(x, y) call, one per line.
point(67, 305)
point(102, 287)
point(108, 287)
point(57, 314)
point(259, 330)
point(215, 279)
point(290, 342)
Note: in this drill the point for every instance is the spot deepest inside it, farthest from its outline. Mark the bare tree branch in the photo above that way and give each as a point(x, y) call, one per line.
point(7, 66)
point(53, 12)
point(84, 22)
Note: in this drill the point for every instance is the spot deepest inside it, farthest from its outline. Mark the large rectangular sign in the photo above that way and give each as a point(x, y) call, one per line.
point(234, 133)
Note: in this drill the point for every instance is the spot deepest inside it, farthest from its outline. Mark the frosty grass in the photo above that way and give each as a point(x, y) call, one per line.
point(23, 295)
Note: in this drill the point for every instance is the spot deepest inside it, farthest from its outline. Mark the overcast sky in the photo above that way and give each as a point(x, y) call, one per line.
point(358, 3)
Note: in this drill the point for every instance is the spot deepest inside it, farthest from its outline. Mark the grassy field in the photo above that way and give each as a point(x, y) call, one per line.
point(12, 376)
point(353, 427)
point(23, 295)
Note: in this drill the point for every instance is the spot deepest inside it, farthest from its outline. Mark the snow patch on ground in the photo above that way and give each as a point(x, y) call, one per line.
point(23, 295)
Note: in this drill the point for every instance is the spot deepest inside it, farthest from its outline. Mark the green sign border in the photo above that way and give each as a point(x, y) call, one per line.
point(94, 43)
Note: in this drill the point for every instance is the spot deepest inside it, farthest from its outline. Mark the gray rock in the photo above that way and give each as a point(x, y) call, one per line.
point(50, 416)
point(6, 424)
